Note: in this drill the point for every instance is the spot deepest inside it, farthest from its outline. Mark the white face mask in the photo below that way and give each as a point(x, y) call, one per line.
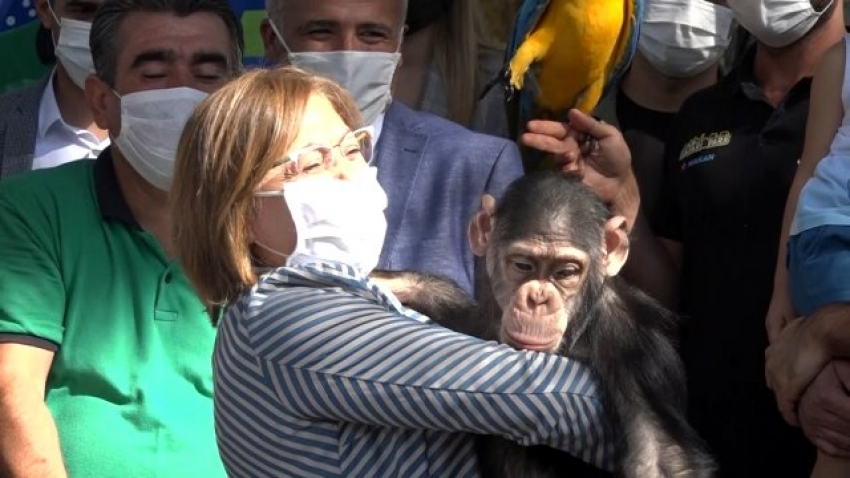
point(151, 124)
point(682, 38)
point(776, 23)
point(336, 220)
point(367, 75)
point(72, 49)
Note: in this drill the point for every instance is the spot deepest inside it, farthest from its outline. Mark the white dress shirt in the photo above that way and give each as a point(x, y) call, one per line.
point(56, 141)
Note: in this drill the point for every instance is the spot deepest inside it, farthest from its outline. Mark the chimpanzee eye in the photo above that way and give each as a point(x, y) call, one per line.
point(521, 266)
point(568, 272)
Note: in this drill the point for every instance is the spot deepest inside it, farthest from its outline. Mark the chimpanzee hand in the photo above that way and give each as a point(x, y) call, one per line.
point(794, 359)
point(399, 283)
point(824, 410)
point(595, 152)
point(437, 297)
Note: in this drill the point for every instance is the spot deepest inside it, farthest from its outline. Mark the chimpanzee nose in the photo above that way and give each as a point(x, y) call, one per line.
point(537, 298)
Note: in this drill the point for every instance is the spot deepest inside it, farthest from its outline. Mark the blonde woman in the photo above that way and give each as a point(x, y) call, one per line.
point(320, 371)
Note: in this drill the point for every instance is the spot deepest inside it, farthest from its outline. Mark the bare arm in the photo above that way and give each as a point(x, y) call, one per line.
point(825, 116)
point(654, 263)
point(29, 443)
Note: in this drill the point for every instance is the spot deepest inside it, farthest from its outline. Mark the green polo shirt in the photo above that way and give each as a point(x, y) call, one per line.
point(130, 387)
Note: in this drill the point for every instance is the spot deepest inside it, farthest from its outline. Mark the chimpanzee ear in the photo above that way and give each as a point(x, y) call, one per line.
point(616, 245)
point(481, 226)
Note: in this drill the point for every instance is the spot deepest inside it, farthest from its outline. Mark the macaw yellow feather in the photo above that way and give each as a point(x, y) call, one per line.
point(574, 45)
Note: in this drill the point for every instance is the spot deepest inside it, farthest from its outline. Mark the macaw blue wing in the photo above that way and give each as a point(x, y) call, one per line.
point(521, 104)
point(526, 19)
point(622, 66)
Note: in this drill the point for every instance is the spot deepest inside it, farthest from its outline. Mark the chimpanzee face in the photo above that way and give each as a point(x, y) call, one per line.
point(545, 279)
point(538, 282)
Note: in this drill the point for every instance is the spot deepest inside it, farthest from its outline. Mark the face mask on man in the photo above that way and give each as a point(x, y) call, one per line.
point(682, 38)
point(151, 124)
point(72, 48)
point(336, 220)
point(367, 75)
point(776, 23)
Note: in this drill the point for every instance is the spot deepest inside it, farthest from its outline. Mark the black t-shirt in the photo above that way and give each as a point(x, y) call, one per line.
point(634, 117)
point(645, 131)
point(728, 166)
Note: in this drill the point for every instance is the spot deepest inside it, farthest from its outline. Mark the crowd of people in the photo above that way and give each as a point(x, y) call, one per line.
point(187, 249)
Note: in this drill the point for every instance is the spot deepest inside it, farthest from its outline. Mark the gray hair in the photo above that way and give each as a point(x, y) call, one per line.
point(103, 39)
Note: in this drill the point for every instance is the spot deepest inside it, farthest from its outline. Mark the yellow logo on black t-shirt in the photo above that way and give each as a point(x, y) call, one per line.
point(698, 149)
point(705, 141)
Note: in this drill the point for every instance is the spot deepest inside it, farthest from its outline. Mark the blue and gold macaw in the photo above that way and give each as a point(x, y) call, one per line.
point(565, 54)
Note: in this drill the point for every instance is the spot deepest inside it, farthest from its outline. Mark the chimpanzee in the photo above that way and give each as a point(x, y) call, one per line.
point(552, 252)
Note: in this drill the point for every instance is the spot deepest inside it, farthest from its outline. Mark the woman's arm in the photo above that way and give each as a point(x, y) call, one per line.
point(335, 356)
point(826, 112)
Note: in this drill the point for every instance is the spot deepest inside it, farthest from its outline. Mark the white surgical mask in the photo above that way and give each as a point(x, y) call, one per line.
point(72, 49)
point(336, 220)
point(151, 124)
point(682, 38)
point(367, 75)
point(776, 23)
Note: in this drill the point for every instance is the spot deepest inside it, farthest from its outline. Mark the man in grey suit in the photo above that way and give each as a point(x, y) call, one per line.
point(434, 171)
point(49, 123)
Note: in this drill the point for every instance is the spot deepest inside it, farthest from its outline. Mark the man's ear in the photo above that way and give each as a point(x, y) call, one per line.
point(616, 245)
point(272, 48)
point(42, 9)
point(98, 96)
point(481, 226)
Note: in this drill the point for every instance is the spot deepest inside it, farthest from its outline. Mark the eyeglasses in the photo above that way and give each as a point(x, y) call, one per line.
point(353, 145)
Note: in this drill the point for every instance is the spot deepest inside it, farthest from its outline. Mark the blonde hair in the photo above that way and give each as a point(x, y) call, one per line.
point(229, 144)
point(456, 48)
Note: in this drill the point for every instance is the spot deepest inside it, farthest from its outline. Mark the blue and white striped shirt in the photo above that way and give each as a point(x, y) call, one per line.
point(321, 372)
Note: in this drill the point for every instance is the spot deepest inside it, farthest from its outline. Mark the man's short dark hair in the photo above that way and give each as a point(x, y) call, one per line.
point(104, 42)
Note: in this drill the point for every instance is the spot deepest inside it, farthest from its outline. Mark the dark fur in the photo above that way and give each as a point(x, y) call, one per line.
point(622, 334)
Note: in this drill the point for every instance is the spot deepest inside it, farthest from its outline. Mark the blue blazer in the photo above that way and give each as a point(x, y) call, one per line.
point(435, 172)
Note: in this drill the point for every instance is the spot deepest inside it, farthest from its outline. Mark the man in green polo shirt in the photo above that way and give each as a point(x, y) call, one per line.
point(104, 348)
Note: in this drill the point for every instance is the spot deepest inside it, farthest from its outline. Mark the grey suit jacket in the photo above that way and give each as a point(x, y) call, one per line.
point(435, 172)
point(19, 128)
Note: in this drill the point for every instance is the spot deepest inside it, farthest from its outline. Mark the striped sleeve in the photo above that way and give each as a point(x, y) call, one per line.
point(333, 356)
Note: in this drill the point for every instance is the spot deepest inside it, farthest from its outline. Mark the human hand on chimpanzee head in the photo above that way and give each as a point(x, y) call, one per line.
point(593, 151)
